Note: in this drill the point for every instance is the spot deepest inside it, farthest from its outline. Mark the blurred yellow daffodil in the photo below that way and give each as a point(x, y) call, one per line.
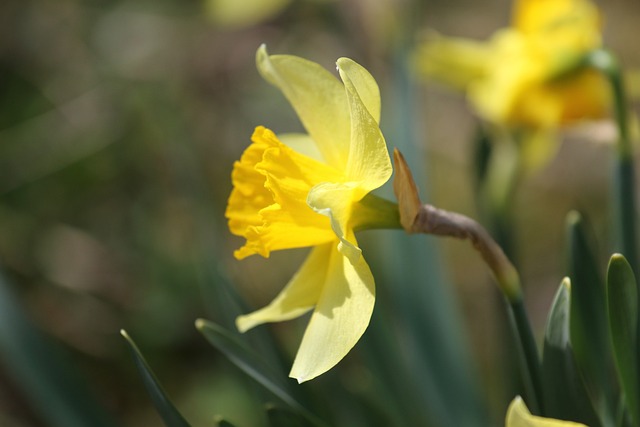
point(293, 191)
point(519, 416)
point(531, 76)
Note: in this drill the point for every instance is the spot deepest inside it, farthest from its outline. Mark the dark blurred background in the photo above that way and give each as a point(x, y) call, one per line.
point(119, 125)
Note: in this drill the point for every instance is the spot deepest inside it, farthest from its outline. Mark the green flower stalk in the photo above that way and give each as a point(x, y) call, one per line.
point(625, 203)
point(416, 217)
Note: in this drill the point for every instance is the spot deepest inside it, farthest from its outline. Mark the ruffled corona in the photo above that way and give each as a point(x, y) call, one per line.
point(268, 203)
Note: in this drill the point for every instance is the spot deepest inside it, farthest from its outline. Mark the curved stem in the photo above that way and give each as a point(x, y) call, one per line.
point(431, 220)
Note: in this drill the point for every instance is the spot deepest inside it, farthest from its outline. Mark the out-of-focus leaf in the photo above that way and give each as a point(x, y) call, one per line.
point(280, 417)
point(564, 394)
point(221, 422)
point(622, 302)
point(251, 364)
point(590, 337)
point(45, 376)
point(168, 412)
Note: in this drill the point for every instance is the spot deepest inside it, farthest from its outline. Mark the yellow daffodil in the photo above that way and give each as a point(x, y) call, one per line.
point(519, 416)
point(531, 76)
point(312, 191)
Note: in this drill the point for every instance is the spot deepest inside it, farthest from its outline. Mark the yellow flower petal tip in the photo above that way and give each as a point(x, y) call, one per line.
point(313, 191)
point(518, 415)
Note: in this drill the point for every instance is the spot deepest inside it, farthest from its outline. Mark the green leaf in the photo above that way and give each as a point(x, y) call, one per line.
point(251, 364)
point(564, 394)
point(281, 417)
point(168, 412)
point(622, 302)
point(42, 371)
point(221, 422)
point(590, 337)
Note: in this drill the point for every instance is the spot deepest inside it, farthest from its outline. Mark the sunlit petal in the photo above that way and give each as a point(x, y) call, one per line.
point(454, 61)
point(339, 320)
point(302, 143)
point(363, 84)
point(335, 201)
point(369, 160)
point(299, 296)
point(317, 97)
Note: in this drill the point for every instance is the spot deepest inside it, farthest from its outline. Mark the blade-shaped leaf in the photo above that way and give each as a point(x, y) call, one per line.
point(251, 364)
point(590, 337)
point(166, 410)
point(41, 370)
point(564, 394)
point(622, 302)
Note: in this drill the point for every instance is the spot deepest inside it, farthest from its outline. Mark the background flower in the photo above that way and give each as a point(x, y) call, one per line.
point(529, 77)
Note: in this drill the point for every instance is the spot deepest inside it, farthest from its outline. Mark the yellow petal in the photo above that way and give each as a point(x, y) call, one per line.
point(453, 61)
point(363, 84)
point(336, 200)
point(317, 97)
point(369, 161)
point(299, 296)
point(301, 143)
point(539, 15)
point(280, 219)
point(519, 416)
point(339, 320)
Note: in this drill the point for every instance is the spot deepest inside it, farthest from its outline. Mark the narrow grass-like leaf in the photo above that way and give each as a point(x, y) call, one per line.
point(589, 333)
point(40, 369)
point(564, 394)
point(166, 410)
point(251, 364)
point(622, 302)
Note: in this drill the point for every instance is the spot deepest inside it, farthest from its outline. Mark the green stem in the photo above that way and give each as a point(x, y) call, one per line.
point(608, 65)
point(439, 222)
point(530, 353)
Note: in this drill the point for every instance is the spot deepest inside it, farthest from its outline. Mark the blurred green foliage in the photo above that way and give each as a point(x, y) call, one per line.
point(119, 125)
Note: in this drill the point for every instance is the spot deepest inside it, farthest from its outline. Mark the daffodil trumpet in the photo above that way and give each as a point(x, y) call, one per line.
point(313, 190)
